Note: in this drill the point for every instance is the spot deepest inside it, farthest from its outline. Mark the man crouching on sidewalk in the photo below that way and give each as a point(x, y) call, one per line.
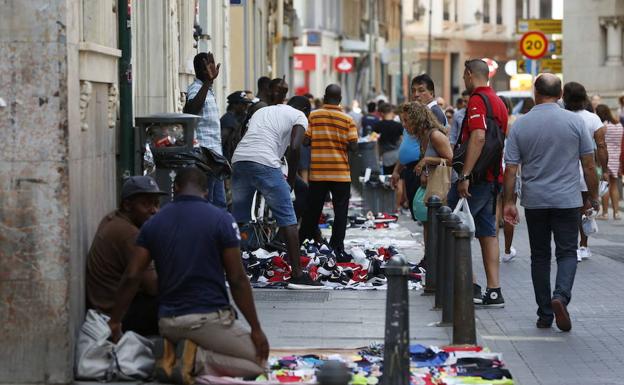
point(195, 247)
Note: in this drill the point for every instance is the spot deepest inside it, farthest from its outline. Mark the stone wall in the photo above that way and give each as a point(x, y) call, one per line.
point(57, 177)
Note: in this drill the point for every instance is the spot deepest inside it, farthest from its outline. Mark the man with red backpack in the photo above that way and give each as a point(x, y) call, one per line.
point(477, 160)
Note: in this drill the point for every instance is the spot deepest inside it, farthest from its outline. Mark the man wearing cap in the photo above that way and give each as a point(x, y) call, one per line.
point(232, 122)
point(112, 249)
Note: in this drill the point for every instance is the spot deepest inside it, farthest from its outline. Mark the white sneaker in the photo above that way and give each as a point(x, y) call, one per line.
point(508, 257)
point(583, 253)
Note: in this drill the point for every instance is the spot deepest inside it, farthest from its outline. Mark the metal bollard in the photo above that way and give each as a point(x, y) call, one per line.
point(448, 282)
point(333, 373)
point(463, 309)
point(396, 342)
point(431, 245)
point(442, 214)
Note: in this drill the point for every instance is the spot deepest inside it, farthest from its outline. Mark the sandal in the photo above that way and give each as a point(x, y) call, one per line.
point(602, 217)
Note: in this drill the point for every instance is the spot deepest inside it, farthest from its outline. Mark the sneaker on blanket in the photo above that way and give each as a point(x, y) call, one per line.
point(304, 282)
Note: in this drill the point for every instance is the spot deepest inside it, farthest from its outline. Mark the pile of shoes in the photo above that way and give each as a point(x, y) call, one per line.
point(357, 268)
point(428, 365)
point(372, 221)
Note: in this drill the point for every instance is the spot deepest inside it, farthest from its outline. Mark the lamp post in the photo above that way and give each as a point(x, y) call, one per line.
point(429, 39)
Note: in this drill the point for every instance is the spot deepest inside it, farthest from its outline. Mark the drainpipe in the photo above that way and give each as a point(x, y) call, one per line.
point(126, 129)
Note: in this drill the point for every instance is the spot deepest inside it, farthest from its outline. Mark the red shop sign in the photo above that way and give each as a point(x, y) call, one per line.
point(343, 64)
point(304, 61)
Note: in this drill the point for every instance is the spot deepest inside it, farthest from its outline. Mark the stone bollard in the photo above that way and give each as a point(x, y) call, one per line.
point(463, 308)
point(448, 282)
point(431, 244)
point(333, 373)
point(396, 341)
point(442, 214)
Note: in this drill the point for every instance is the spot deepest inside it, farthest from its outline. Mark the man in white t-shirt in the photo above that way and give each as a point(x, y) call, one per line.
point(575, 99)
point(257, 164)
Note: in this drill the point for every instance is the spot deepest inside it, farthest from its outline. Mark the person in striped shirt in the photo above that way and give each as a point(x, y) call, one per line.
point(331, 134)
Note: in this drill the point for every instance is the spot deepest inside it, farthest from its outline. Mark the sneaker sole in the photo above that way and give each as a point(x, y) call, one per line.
point(490, 306)
point(477, 301)
point(295, 286)
point(562, 317)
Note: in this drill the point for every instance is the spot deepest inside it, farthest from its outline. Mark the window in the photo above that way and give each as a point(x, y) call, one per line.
point(499, 12)
point(519, 9)
point(446, 12)
point(486, 11)
point(545, 9)
point(419, 11)
point(456, 12)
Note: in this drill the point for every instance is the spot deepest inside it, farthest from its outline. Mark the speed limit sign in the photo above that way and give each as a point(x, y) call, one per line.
point(534, 45)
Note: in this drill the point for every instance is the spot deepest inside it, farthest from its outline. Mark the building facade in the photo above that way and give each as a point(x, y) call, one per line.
point(66, 126)
point(596, 29)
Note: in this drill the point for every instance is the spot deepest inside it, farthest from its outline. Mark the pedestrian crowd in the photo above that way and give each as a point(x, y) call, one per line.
point(167, 270)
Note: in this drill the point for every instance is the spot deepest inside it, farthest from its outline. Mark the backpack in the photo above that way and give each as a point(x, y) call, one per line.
point(492, 151)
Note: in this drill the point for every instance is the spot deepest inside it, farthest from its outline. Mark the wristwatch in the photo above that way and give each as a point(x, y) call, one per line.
point(464, 177)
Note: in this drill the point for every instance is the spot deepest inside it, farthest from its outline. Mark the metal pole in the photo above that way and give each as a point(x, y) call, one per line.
point(429, 38)
point(431, 244)
point(451, 223)
point(463, 309)
point(442, 214)
point(401, 97)
point(396, 342)
point(371, 59)
point(126, 129)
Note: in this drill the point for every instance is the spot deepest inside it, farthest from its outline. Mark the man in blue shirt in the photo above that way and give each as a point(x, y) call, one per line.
point(201, 101)
point(551, 193)
point(195, 248)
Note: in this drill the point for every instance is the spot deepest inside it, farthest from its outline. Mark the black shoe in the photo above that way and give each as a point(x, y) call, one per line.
point(342, 256)
point(493, 298)
point(543, 323)
point(477, 296)
point(562, 317)
point(304, 282)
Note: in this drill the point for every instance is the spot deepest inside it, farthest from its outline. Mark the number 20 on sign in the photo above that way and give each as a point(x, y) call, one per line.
point(534, 45)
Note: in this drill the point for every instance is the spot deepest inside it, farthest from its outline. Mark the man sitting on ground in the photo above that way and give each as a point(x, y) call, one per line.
point(195, 247)
point(112, 249)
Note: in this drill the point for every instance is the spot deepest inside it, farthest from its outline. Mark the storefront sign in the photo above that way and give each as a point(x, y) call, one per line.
point(343, 64)
point(304, 61)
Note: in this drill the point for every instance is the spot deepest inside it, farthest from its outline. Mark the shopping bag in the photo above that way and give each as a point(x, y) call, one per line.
point(420, 210)
point(588, 221)
point(98, 358)
point(439, 182)
point(462, 210)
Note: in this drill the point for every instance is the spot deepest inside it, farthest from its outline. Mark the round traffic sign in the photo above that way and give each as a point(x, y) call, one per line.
point(534, 44)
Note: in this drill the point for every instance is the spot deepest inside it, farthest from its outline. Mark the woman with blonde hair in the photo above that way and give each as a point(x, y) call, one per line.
point(422, 124)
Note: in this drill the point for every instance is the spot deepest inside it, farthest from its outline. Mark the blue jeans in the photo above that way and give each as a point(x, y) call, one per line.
point(481, 205)
point(247, 177)
point(216, 192)
point(543, 224)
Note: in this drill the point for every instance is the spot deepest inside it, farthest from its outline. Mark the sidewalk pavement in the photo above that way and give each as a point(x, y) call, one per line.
point(593, 352)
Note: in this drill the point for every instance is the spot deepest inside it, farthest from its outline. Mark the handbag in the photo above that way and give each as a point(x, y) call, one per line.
point(420, 210)
point(462, 210)
point(439, 181)
point(98, 358)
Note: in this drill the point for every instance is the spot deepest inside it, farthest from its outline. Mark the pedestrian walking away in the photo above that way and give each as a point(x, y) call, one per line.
point(195, 248)
point(550, 193)
point(331, 135)
point(613, 138)
point(257, 167)
point(480, 187)
point(201, 100)
point(575, 99)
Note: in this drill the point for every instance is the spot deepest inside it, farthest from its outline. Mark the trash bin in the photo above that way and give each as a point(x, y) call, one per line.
point(378, 197)
point(367, 157)
point(167, 144)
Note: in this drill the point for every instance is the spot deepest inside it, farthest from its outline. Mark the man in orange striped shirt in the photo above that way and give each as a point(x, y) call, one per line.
point(331, 134)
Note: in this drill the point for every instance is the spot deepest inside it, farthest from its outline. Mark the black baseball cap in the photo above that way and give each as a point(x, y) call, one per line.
point(238, 97)
point(140, 185)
